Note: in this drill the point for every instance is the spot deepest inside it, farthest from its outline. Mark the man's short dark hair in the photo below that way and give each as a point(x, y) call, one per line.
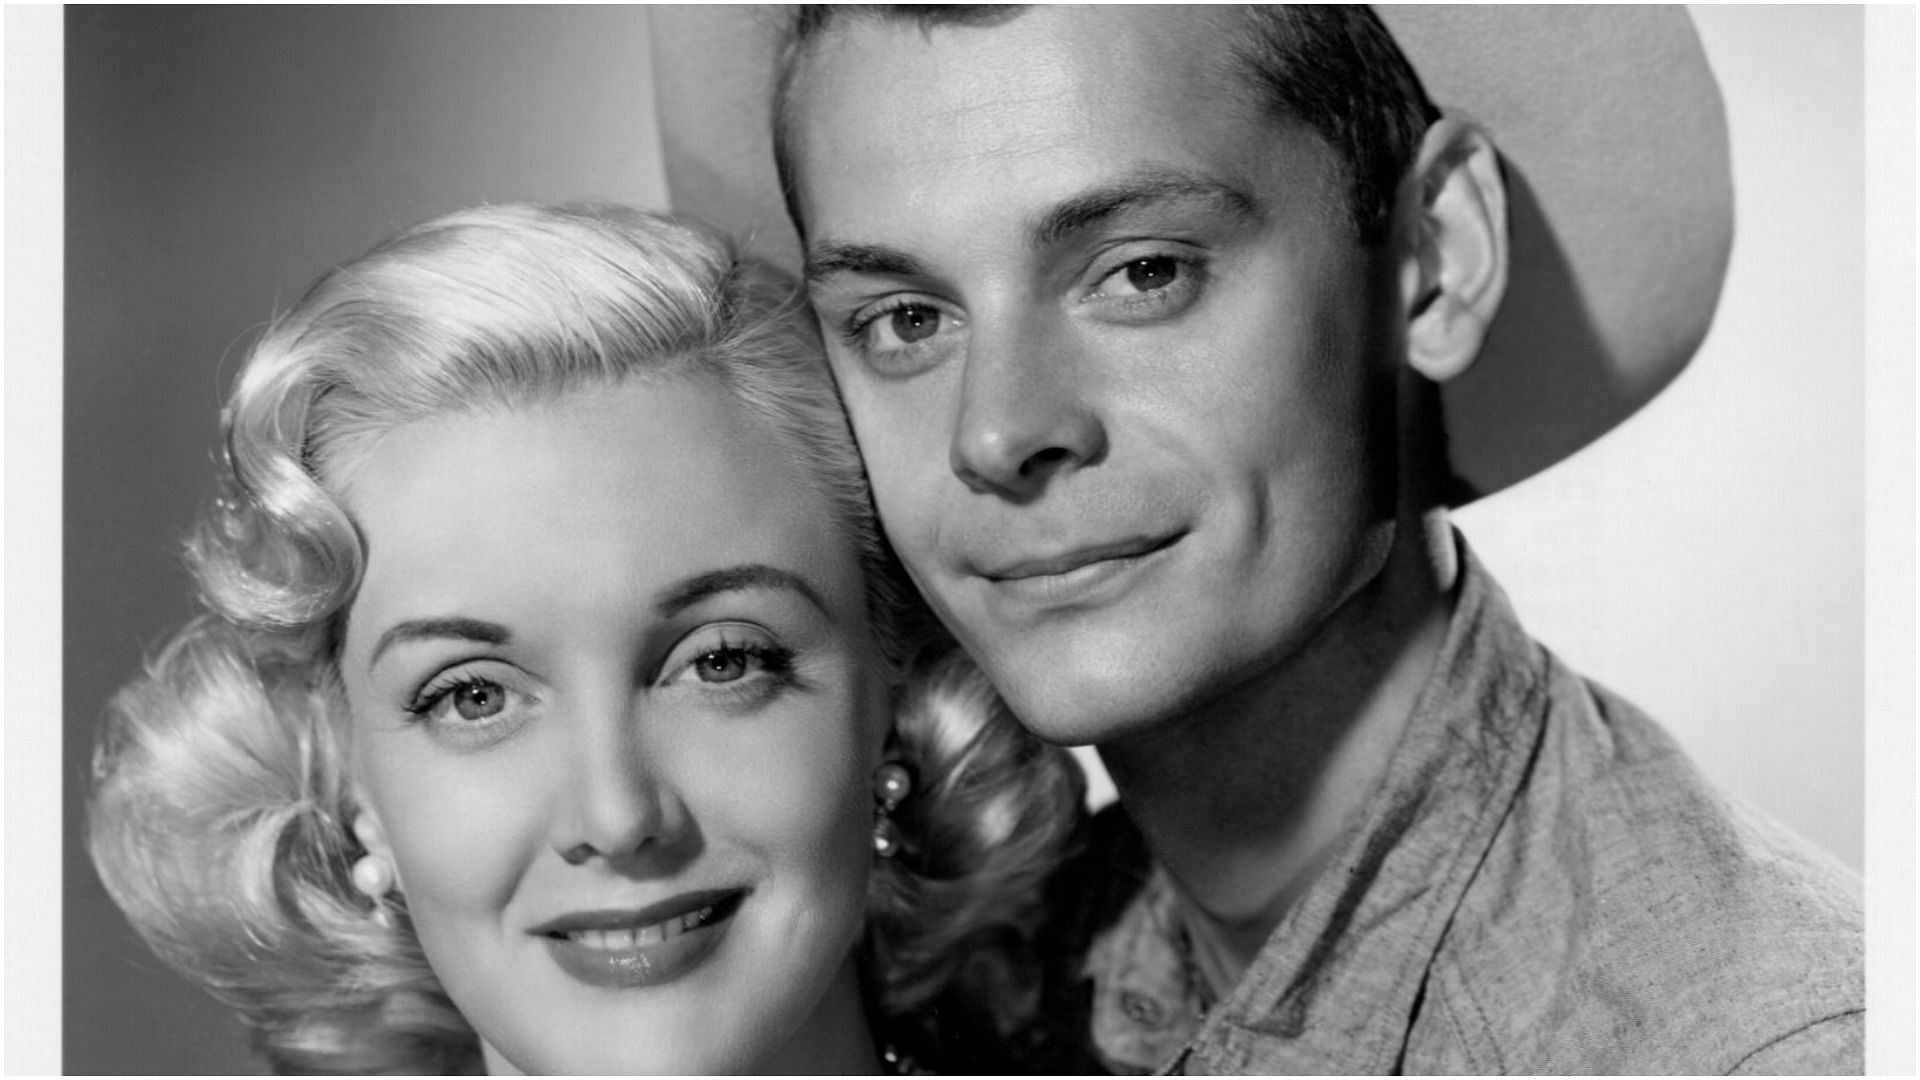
point(1332, 68)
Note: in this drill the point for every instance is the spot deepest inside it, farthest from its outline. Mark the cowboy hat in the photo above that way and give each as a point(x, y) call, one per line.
point(1620, 201)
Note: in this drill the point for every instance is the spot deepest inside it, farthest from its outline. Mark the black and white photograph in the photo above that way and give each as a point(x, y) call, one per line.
point(959, 539)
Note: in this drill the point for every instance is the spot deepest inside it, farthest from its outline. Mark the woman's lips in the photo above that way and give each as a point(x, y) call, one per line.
point(650, 934)
point(644, 947)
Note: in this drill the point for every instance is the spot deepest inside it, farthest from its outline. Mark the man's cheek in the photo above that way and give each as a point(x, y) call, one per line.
point(907, 487)
point(917, 542)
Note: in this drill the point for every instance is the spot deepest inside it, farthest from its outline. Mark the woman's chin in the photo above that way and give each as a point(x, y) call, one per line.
point(655, 1060)
point(713, 1022)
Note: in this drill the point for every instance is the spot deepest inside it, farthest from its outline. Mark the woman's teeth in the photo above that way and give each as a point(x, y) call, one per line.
point(651, 934)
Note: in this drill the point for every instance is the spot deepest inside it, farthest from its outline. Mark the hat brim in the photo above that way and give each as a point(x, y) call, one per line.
point(1620, 199)
point(1620, 217)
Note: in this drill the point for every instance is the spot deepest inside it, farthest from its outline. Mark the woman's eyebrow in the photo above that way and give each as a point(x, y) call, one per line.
point(454, 627)
point(733, 579)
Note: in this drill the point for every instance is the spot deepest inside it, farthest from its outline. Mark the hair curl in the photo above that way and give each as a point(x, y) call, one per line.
point(959, 910)
point(220, 811)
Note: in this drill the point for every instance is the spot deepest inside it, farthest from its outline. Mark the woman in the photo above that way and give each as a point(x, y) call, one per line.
point(551, 704)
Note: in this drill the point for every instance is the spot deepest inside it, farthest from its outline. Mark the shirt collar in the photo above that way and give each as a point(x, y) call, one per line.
point(1337, 983)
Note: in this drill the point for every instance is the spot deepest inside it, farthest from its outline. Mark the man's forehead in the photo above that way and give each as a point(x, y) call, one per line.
point(890, 92)
point(1041, 51)
point(1026, 130)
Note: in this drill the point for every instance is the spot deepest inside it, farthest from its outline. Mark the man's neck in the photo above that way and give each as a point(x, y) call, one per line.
point(1245, 800)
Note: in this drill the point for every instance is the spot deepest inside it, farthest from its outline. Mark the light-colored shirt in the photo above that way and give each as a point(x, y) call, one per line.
point(1543, 883)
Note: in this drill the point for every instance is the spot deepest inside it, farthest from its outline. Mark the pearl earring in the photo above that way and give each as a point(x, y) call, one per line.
point(892, 783)
point(373, 878)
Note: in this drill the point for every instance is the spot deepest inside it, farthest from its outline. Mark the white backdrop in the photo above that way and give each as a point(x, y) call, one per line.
point(1705, 558)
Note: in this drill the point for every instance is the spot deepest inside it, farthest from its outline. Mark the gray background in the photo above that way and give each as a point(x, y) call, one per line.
point(219, 159)
point(1705, 559)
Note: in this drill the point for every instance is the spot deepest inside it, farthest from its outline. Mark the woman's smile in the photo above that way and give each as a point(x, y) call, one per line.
point(547, 598)
point(655, 945)
point(618, 742)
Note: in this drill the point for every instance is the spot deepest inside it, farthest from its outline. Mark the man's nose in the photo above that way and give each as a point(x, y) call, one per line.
point(615, 804)
point(1026, 414)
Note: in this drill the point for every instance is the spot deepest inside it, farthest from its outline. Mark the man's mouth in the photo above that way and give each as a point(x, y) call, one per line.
point(1082, 578)
point(1068, 562)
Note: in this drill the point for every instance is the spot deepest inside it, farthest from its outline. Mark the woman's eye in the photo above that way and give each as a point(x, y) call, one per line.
point(462, 699)
point(479, 699)
point(722, 665)
point(731, 663)
point(735, 670)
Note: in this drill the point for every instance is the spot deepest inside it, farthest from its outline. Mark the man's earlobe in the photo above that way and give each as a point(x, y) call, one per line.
point(1454, 274)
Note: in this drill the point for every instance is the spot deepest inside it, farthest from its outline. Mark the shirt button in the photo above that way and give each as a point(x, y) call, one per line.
point(1142, 1009)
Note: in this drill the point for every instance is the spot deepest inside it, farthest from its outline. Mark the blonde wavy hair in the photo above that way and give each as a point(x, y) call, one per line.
point(220, 807)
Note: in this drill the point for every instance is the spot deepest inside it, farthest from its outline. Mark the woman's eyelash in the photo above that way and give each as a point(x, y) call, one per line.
point(435, 694)
point(775, 660)
point(743, 675)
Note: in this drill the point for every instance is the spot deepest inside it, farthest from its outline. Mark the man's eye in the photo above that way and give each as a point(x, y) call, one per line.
point(1143, 276)
point(904, 337)
point(1147, 275)
point(914, 322)
point(1147, 290)
point(901, 327)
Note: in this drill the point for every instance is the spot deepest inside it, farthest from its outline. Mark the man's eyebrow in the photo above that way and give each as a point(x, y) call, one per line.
point(828, 259)
point(1150, 187)
point(734, 579)
point(427, 629)
point(1145, 189)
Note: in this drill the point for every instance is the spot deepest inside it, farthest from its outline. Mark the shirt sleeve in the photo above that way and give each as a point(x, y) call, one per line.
point(1834, 1046)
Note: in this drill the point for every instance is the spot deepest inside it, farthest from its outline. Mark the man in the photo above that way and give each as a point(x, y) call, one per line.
point(1141, 316)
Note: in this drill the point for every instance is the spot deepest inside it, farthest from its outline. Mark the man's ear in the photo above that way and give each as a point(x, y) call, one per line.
point(1454, 267)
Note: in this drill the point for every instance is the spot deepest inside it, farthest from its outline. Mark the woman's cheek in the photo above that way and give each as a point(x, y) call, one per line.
point(461, 836)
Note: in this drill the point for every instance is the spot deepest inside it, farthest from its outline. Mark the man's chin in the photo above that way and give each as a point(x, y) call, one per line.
point(1108, 672)
point(1076, 707)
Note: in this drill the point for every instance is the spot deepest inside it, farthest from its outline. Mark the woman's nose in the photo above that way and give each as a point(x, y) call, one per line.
point(615, 804)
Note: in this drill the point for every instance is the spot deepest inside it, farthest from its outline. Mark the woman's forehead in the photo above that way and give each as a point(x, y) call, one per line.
point(627, 489)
